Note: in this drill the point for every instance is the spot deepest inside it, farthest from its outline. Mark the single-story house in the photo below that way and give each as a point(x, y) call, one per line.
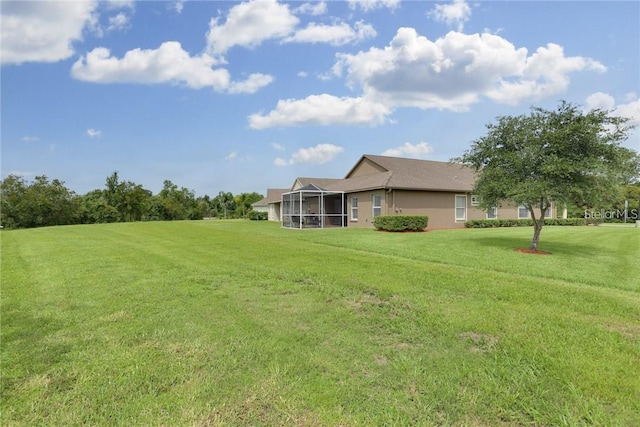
point(381, 185)
point(271, 203)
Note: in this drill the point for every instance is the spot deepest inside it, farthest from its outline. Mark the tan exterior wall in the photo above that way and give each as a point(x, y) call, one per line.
point(366, 167)
point(440, 207)
point(365, 208)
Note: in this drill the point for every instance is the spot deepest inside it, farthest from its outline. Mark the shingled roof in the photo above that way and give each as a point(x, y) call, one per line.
point(408, 174)
point(273, 196)
point(394, 173)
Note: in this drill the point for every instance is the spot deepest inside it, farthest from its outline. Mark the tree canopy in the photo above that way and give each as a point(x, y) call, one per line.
point(43, 202)
point(564, 156)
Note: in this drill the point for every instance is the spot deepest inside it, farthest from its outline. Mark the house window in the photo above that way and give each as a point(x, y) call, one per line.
point(492, 213)
point(475, 200)
point(376, 202)
point(461, 208)
point(523, 212)
point(354, 208)
point(547, 213)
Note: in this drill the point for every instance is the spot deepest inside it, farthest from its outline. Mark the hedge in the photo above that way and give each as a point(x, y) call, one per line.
point(401, 222)
point(258, 216)
point(493, 223)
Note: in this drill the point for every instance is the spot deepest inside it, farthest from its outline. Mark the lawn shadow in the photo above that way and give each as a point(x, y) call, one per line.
point(554, 247)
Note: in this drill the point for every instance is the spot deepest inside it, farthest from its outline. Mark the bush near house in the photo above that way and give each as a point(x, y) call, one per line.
point(258, 216)
point(401, 222)
point(494, 223)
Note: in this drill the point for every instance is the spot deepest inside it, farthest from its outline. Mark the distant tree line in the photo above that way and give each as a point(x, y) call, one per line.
point(42, 202)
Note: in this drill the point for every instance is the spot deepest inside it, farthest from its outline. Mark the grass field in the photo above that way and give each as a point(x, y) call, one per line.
point(223, 323)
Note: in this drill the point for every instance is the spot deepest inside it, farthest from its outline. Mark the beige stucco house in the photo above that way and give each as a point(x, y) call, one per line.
point(380, 185)
point(271, 203)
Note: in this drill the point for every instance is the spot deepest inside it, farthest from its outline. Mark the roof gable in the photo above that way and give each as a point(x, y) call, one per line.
point(412, 174)
point(366, 166)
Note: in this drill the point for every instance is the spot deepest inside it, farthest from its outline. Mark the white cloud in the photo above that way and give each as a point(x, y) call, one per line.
point(231, 156)
point(312, 9)
point(42, 31)
point(369, 5)
point(118, 22)
point(253, 83)
point(321, 153)
point(249, 24)
point(167, 64)
point(276, 146)
point(416, 151)
point(28, 138)
point(119, 4)
point(280, 162)
point(604, 101)
point(93, 133)
point(337, 34)
point(457, 12)
point(454, 71)
point(177, 6)
point(321, 110)
point(600, 100)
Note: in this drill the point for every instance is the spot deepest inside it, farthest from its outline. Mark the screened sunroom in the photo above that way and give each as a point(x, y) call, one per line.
point(313, 207)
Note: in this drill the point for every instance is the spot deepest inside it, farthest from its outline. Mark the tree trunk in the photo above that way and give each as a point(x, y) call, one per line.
point(537, 228)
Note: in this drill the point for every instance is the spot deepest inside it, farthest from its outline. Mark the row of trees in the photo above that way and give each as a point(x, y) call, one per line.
point(43, 203)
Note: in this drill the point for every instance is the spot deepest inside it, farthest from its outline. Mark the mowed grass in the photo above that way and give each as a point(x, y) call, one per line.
point(223, 323)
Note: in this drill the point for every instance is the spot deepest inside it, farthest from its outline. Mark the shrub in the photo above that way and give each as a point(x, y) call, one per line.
point(258, 216)
point(401, 222)
point(493, 223)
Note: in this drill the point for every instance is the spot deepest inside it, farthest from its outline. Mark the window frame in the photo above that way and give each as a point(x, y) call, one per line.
point(521, 208)
point(374, 206)
point(354, 209)
point(456, 207)
point(493, 209)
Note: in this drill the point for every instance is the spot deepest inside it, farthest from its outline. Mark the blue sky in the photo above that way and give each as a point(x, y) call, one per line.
point(242, 96)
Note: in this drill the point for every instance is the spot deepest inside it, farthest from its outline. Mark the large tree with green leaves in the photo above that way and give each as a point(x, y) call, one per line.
point(37, 204)
point(564, 155)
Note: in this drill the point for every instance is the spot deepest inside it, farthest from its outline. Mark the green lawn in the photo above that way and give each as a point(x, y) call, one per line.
point(223, 323)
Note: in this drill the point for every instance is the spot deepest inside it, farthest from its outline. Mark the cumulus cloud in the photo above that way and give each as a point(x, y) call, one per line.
point(249, 24)
point(416, 151)
point(252, 84)
point(276, 146)
point(604, 101)
point(93, 133)
point(167, 64)
point(42, 31)
point(457, 12)
point(118, 22)
point(336, 34)
point(321, 110)
point(369, 5)
point(312, 9)
point(454, 71)
point(321, 153)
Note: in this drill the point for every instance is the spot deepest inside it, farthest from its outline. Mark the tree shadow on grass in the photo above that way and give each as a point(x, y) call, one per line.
point(554, 247)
